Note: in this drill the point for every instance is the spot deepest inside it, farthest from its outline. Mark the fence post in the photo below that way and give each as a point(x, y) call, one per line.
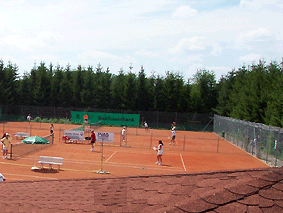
point(217, 144)
point(59, 134)
point(137, 130)
point(184, 143)
point(150, 140)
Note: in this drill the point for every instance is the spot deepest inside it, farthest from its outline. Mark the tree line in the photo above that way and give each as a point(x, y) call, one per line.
point(253, 93)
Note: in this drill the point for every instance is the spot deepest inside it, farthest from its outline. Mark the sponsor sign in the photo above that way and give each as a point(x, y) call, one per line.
point(74, 134)
point(106, 118)
point(105, 136)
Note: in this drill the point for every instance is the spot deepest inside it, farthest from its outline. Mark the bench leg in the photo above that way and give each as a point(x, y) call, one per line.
point(41, 166)
point(50, 166)
point(58, 167)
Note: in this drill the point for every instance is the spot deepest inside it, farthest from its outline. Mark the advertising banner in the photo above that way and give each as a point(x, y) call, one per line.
point(106, 118)
point(74, 134)
point(105, 136)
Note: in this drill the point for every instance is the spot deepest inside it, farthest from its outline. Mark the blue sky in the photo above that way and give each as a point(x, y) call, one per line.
point(162, 35)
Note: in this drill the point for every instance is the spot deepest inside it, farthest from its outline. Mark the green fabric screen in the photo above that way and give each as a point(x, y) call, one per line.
point(106, 118)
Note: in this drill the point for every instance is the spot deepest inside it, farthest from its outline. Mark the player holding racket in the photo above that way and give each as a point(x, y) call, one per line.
point(173, 137)
point(159, 153)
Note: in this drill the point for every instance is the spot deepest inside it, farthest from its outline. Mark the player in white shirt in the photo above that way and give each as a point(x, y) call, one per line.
point(173, 137)
point(159, 153)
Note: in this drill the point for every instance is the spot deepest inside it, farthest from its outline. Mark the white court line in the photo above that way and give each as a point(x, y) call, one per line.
point(183, 163)
point(111, 156)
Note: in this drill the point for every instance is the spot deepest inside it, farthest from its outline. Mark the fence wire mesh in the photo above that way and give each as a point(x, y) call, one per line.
point(264, 142)
point(155, 119)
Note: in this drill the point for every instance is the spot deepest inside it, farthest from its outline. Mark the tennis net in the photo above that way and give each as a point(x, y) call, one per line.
point(21, 149)
point(81, 128)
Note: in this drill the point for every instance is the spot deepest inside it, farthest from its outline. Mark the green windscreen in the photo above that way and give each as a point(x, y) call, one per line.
point(106, 118)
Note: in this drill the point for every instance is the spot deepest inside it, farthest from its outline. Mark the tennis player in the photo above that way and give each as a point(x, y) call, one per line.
point(173, 137)
point(29, 118)
point(92, 140)
point(159, 153)
point(123, 133)
point(6, 141)
point(145, 126)
point(51, 129)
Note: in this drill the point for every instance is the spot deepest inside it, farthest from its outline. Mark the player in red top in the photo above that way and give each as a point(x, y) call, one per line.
point(92, 140)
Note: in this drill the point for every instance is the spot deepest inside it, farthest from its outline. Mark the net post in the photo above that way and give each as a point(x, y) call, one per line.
point(11, 152)
point(52, 135)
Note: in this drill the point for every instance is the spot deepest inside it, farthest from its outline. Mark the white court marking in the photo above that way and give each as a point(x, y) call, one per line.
point(111, 156)
point(183, 163)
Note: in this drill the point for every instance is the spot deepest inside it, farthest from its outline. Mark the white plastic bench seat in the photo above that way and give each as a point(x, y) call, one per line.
point(51, 161)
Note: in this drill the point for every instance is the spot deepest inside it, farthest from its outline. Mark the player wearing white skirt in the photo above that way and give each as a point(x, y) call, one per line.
point(159, 153)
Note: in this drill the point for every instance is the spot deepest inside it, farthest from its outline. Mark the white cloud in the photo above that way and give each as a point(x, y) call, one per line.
point(185, 12)
point(28, 44)
point(106, 59)
point(44, 57)
point(254, 34)
point(145, 53)
point(188, 44)
point(252, 57)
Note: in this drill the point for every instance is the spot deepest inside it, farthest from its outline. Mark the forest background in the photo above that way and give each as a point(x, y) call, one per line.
point(252, 93)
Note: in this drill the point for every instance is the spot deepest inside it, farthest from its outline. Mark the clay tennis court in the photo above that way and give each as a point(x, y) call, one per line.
point(193, 152)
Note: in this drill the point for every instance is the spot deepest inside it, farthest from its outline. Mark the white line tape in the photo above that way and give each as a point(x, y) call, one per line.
point(183, 163)
point(110, 156)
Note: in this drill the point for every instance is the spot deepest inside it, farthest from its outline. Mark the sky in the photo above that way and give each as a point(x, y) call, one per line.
point(180, 36)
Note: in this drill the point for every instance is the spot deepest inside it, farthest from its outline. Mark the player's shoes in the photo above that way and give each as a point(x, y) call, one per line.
point(170, 143)
point(91, 150)
point(160, 163)
point(157, 162)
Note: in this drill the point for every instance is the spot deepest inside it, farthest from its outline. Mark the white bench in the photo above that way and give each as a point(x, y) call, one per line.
point(51, 161)
point(2, 178)
point(21, 135)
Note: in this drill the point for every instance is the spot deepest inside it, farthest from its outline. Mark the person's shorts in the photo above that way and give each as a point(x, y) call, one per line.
point(173, 137)
point(5, 148)
point(51, 131)
point(92, 142)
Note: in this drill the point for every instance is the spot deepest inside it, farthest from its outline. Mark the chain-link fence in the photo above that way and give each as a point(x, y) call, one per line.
point(264, 142)
point(155, 119)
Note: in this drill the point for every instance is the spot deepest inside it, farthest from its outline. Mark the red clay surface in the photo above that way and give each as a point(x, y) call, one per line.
point(194, 152)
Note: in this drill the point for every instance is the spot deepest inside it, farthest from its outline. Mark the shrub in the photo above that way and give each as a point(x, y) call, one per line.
point(37, 119)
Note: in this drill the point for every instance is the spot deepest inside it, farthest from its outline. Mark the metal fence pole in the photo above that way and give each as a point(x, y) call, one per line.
point(150, 140)
point(184, 143)
point(217, 144)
